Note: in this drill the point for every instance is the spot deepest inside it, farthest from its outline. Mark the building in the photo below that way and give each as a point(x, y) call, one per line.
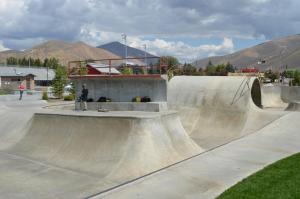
point(11, 77)
point(101, 69)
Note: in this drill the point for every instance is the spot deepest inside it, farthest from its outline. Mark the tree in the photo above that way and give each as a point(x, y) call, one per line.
point(38, 62)
point(168, 62)
point(210, 70)
point(59, 81)
point(209, 63)
point(229, 68)
point(296, 81)
point(221, 70)
point(188, 69)
point(272, 75)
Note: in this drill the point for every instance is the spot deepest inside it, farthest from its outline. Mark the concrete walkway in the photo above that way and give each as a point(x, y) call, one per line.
point(211, 173)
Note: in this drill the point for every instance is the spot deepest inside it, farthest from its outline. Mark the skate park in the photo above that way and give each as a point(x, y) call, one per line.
point(207, 134)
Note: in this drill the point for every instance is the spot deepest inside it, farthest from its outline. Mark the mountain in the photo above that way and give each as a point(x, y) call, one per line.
point(61, 50)
point(276, 53)
point(118, 48)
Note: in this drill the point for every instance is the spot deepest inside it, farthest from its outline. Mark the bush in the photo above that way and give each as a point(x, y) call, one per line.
point(6, 91)
point(45, 96)
point(69, 97)
point(127, 70)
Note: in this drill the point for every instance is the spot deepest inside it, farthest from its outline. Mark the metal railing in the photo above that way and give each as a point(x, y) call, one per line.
point(118, 66)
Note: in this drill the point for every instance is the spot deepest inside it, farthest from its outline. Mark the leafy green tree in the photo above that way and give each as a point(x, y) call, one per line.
point(221, 70)
point(12, 61)
point(210, 70)
point(296, 81)
point(167, 63)
point(38, 62)
point(189, 69)
point(272, 75)
point(209, 63)
point(59, 81)
point(229, 68)
point(201, 72)
point(127, 70)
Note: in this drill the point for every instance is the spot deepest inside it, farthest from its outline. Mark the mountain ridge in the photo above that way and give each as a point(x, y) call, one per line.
point(276, 53)
point(64, 51)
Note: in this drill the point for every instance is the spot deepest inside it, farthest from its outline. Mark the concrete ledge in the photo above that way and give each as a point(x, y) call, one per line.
point(126, 106)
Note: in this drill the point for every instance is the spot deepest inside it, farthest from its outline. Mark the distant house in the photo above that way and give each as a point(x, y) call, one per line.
point(250, 70)
point(101, 69)
point(11, 77)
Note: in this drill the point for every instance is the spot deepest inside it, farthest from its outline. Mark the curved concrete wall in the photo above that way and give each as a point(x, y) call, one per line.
point(213, 110)
point(271, 97)
point(290, 94)
point(281, 97)
point(87, 154)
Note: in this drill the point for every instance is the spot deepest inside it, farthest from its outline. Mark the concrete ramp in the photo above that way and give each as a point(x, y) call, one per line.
point(290, 94)
point(293, 106)
point(73, 156)
point(216, 110)
point(281, 97)
point(271, 97)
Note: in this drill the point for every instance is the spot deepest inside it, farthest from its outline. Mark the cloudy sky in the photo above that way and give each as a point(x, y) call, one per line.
point(188, 29)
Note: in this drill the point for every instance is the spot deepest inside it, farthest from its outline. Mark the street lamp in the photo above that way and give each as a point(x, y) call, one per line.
point(124, 37)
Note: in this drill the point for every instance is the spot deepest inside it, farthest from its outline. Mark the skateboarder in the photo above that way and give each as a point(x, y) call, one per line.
point(84, 97)
point(21, 89)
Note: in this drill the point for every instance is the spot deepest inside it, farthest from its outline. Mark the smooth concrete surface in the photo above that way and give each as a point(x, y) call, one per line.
point(124, 89)
point(15, 115)
point(216, 110)
point(74, 154)
point(211, 173)
point(125, 106)
point(213, 135)
point(271, 97)
point(281, 97)
point(290, 94)
point(293, 106)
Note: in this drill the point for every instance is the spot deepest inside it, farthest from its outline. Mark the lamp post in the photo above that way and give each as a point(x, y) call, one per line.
point(124, 37)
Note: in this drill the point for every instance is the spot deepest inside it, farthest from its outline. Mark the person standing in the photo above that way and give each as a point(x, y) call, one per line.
point(84, 97)
point(21, 89)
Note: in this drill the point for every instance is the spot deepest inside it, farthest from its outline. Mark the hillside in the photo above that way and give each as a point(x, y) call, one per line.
point(61, 50)
point(118, 48)
point(284, 50)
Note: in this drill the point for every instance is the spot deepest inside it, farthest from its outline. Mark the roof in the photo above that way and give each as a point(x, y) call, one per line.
point(103, 68)
point(39, 73)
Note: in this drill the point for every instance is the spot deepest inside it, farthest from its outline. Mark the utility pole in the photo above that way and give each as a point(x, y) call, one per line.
point(47, 65)
point(124, 37)
point(145, 48)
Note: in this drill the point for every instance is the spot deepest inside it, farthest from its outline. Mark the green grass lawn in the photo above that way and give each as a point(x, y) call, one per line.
point(278, 180)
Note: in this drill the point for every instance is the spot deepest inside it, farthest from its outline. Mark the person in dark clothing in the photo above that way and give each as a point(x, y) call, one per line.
point(84, 97)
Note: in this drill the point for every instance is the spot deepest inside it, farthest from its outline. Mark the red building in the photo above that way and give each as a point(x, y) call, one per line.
point(101, 69)
point(250, 70)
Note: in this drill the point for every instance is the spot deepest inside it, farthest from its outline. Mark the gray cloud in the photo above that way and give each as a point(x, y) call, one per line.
point(92, 20)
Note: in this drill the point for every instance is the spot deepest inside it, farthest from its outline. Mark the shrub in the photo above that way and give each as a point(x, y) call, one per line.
point(6, 91)
point(45, 96)
point(127, 70)
point(69, 97)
